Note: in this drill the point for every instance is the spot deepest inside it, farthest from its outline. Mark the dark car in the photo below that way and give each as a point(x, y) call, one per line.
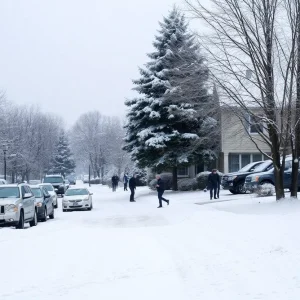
point(234, 182)
point(43, 203)
point(58, 183)
point(253, 181)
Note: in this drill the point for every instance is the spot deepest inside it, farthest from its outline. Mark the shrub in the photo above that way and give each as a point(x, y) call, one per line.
point(202, 179)
point(264, 190)
point(187, 184)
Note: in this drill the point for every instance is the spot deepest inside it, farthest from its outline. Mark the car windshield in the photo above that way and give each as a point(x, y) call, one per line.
point(267, 165)
point(48, 187)
point(248, 167)
point(37, 192)
point(53, 180)
point(9, 192)
point(76, 192)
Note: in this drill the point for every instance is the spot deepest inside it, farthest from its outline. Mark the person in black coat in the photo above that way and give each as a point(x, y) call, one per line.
point(213, 184)
point(132, 186)
point(114, 182)
point(160, 187)
point(125, 181)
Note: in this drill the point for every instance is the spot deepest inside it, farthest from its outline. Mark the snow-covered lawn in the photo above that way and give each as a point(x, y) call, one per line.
point(245, 249)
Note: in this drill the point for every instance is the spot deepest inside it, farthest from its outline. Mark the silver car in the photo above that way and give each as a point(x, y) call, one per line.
point(49, 187)
point(77, 198)
point(17, 206)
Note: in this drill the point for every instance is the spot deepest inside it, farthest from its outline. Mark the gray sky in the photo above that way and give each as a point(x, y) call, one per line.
point(72, 56)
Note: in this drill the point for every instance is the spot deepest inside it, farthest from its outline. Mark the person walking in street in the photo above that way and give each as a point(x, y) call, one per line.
point(213, 183)
point(132, 186)
point(114, 182)
point(125, 181)
point(160, 187)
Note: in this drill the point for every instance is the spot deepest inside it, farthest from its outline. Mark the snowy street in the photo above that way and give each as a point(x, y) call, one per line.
point(228, 250)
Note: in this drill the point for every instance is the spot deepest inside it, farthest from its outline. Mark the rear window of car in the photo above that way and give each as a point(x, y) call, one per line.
point(37, 192)
point(76, 192)
point(9, 192)
point(53, 179)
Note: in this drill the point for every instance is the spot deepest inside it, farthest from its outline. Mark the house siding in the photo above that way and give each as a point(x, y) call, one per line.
point(235, 139)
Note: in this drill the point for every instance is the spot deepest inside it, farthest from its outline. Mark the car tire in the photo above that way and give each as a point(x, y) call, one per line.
point(20, 224)
point(52, 215)
point(240, 189)
point(91, 207)
point(233, 192)
point(56, 205)
point(34, 221)
point(64, 210)
point(44, 219)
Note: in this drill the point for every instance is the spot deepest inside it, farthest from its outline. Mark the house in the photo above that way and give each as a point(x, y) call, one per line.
point(240, 140)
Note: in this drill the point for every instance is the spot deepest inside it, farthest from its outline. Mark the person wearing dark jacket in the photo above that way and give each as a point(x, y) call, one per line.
point(132, 186)
point(125, 181)
point(213, 184)
point(160, 187)
point(114, 182)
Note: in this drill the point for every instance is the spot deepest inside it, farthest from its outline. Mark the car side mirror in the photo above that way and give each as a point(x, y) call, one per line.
point(27, 195)
point(91, 193)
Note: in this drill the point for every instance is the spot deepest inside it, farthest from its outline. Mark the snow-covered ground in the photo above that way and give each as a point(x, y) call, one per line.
point(245, 249)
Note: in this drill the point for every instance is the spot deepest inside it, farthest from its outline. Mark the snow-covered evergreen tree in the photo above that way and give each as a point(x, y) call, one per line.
point(62, 162)
point(168, 125)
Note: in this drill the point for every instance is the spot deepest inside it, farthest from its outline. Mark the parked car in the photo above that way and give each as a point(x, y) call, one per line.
point(67, 183)
point(17, 205)
point(234, 182)
point(58, 183)
point(253, 181)
point(2, 181)
point(50, 189)
point(77, 198)
point(85, 178)
point(43, 203)
point(34, 182)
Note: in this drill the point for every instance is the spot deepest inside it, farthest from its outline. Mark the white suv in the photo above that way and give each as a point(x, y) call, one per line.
point(17, 205)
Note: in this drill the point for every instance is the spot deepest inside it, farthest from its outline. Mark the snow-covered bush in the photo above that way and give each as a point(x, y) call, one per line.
point(187, 184)
point(202, 179)
point(167, 179)
point(264, 190)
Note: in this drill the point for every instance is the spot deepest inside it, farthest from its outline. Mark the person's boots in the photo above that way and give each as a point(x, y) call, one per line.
point(168, 201)
point(159, 207)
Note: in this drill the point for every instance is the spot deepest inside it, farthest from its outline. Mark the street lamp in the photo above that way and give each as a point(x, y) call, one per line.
point(4, 152)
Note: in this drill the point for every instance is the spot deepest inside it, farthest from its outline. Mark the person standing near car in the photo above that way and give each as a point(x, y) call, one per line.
point(125, 181)
point(132, 186)
point(160, 187)
point(213, 183)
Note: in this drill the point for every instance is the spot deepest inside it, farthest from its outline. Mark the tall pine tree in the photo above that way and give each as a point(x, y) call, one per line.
point(62, 162)
point(167, 126)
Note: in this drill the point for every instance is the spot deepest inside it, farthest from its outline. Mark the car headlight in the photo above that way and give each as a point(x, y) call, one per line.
point(231, 178)
point(39, 204)
point(255, 178)
point(12, 208)
point(86, 199)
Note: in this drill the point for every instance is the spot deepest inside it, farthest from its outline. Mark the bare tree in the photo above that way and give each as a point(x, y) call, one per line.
point(253, 63)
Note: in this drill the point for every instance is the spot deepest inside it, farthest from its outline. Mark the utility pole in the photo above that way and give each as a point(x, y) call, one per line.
point(4, 152)
point(89, 175)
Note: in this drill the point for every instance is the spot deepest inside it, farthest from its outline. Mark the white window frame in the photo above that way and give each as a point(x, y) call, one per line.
point(187, 169)
point(250, 125)
point(240, 159)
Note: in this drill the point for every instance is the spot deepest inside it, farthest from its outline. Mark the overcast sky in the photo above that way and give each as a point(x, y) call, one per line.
point(73, 56)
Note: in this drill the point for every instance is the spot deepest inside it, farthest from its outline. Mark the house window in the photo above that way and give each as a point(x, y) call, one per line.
point(183, 171)
point(255, 125)
point(236, 161)
point(246, 159)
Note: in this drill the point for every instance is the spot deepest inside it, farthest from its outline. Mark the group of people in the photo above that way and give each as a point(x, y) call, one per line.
point(160, 187)
point(213, 184)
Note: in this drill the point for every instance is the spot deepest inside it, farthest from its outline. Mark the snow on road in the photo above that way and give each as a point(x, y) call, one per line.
point(245, 249)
